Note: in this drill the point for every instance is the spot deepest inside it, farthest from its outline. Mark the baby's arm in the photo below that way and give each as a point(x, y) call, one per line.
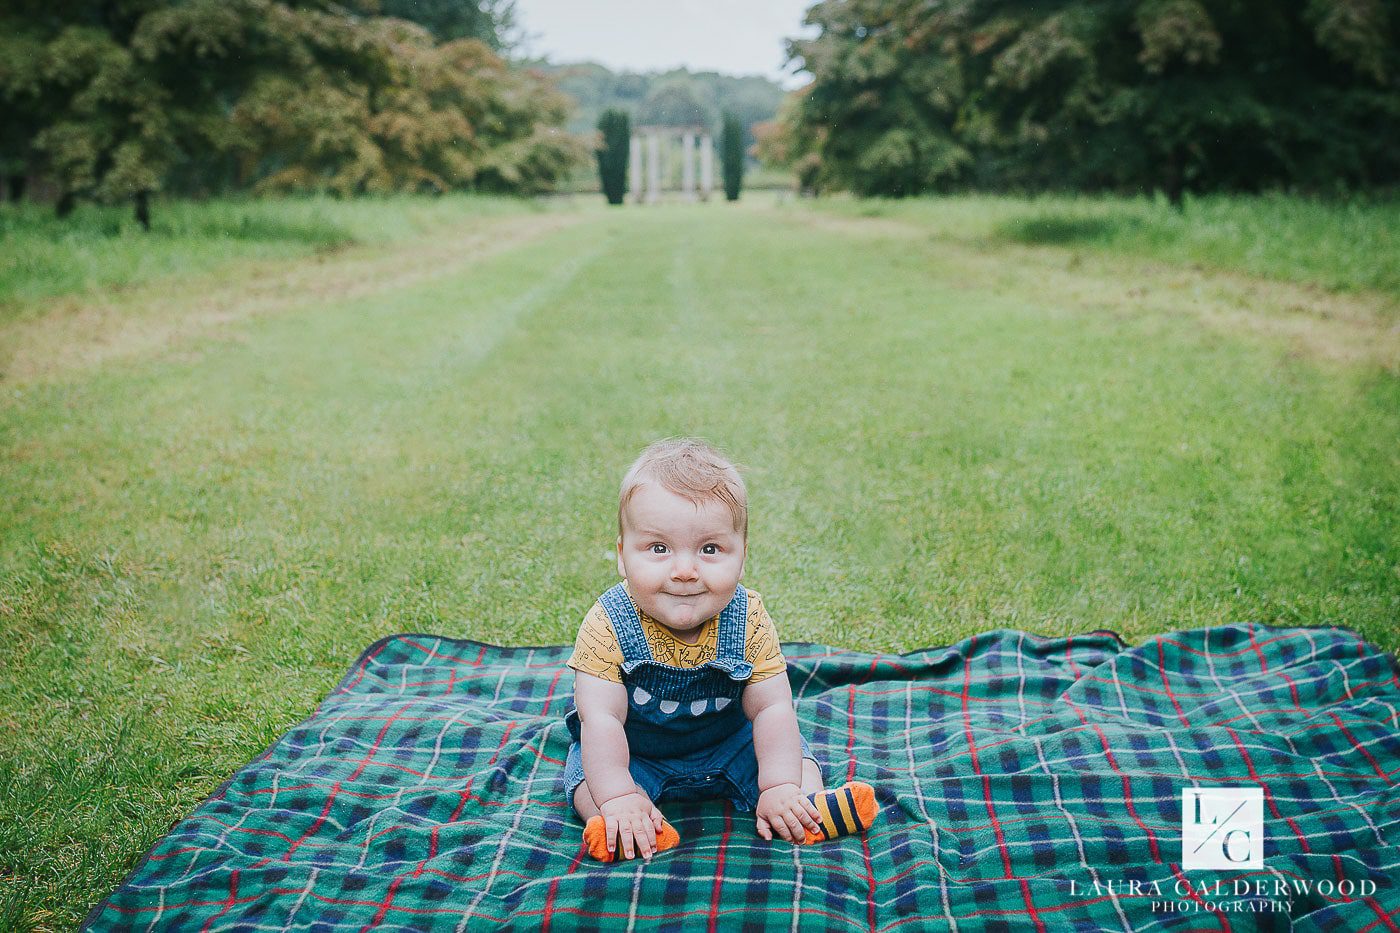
point(776, 743)
point(627, 814)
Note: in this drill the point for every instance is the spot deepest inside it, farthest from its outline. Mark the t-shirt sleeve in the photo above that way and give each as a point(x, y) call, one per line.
point(762, 648)
point(596, 650)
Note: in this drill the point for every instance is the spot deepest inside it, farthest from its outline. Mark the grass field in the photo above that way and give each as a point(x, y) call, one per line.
point(1337, 245)
point(225, 478)
point(100, 250)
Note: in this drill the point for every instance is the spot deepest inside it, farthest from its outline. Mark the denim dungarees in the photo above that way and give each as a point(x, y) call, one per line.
point(687, 735)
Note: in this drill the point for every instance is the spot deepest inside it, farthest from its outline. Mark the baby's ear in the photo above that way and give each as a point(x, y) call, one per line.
point(621, 571)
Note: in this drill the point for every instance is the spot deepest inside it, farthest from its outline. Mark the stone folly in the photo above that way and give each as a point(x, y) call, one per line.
point(651, 148)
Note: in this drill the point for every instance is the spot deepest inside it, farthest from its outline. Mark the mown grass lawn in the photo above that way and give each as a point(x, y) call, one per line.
point(218, 487)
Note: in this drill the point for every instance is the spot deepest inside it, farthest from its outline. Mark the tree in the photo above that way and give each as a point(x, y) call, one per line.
point(645, 98)
point(731, 156)
point(1126, 95)
point(879, 115)
point(489, 21)
point(788, 142)
point(120, 99)
point(112, 138)
point(1183, 95)
point(417, 117)
point(527, 150)
point(23, 104)
point(675, 103)
point(613, 151)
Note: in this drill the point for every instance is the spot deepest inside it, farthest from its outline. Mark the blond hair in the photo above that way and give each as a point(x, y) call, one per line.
point(692, 468)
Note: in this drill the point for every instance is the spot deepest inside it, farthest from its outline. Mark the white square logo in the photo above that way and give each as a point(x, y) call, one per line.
point(1222, 827)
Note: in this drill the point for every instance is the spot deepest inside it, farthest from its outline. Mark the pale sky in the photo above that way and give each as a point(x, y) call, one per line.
point(737, 37)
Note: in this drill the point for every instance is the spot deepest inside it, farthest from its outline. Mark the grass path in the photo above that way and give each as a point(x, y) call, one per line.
point(217, 491)
point(82, 330)
point(1352, 327)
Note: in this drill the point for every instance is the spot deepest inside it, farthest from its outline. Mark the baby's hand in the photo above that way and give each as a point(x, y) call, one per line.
point(784, 809)
point(633, 819)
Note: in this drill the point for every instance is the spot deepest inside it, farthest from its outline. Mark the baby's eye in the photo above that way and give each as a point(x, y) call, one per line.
point(710, 549)
point(657, 549)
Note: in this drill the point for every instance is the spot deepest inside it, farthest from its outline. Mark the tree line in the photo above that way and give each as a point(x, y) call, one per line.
point(114, 100)
point(910, 96)
point(678, 97)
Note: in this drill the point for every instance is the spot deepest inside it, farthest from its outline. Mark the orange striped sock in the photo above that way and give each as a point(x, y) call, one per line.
point(597, 841)
point(850, 808)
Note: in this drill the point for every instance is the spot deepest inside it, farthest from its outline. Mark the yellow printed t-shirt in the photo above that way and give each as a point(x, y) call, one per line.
point(597, 652)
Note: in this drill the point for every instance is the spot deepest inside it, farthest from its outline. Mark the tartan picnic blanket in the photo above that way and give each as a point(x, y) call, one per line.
point(1027, 783)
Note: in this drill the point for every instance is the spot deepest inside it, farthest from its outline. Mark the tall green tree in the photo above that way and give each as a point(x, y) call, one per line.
point(25, 100)
point(1183, 95)
point(418, 117)
point(882, 109)
point(82, 105)
point(731, 156)
point(615, 143)
point(488, 21)
point(212, 57)
point(120, 99)
point(527, 148)
point(1173, 95)
point(114, 137)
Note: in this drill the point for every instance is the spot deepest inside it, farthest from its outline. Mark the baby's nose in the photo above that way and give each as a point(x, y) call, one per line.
point(683, 569)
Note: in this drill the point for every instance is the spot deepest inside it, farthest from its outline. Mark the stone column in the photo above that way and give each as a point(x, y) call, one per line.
point(688, 165)
point(634, 168)
point(653, 166)
point(666, 138)
point(707, 167)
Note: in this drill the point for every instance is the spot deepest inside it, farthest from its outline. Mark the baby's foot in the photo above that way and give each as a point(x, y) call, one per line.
point(595, 837)
point(847, 809)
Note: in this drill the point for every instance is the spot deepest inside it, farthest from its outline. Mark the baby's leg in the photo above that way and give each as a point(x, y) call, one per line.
point(583, 802)
point(595, 831)
point(850, 808)
point(586, 808)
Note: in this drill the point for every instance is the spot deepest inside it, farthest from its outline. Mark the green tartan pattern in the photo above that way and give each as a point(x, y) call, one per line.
point(1025, 782)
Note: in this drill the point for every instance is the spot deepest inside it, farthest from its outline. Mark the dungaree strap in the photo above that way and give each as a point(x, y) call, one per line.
point(627, 625)
point(730, 639)
point(733, 629)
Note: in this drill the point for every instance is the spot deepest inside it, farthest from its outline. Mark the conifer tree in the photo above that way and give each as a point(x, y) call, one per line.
point(731, 156)
point(613, 152)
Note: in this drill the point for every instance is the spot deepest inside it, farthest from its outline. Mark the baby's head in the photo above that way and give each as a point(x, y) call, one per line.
point(682, 532)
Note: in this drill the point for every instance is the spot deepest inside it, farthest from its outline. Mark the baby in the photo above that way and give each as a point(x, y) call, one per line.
point(680, 685)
